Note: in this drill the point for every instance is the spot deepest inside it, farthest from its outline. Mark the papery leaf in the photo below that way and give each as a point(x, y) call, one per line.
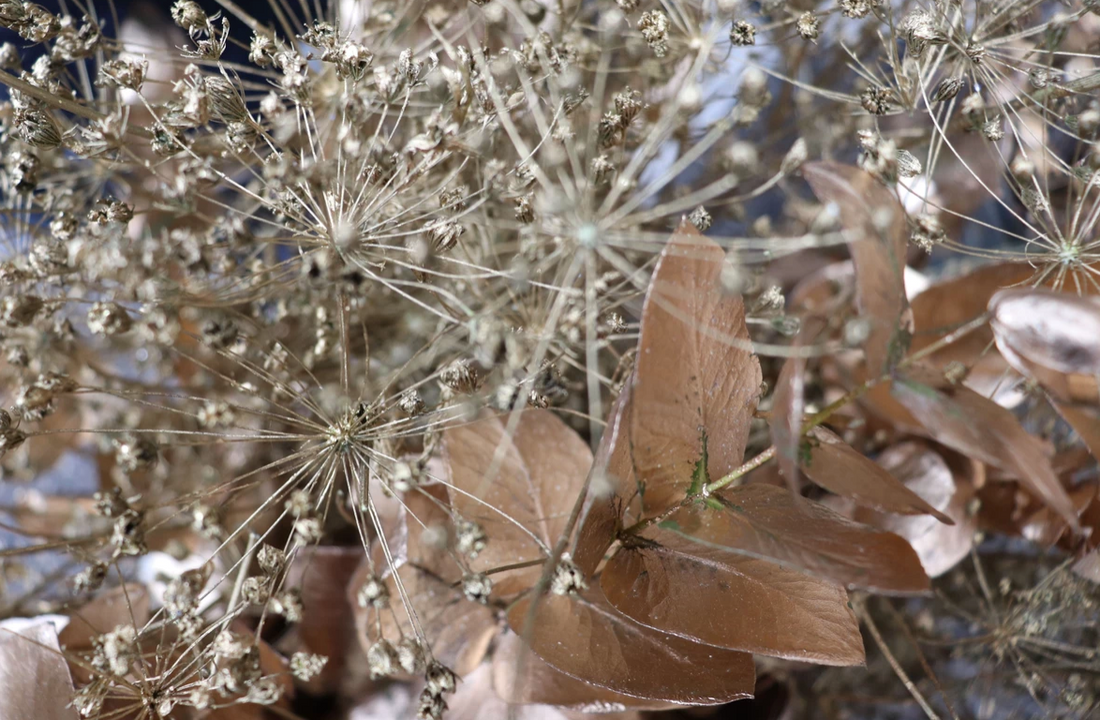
point(584, 637)
point(1052, 338)
point(695, 376)
point(875, 219)
point(612, 489)
point(948, 305)
point(460, 630)
point(476, 699)
point(771, 523)
point(34, 677)
point(836, 466)
point(923, 471)
point(965, 421)
point(328, 625)
point(515, 488)
point(522, 677)
point(717, 597)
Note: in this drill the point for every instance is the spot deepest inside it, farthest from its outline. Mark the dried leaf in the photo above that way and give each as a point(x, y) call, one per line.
point(965, 421)
point(696, 379)
point(923, 471)
point(611, 487)
point(584, 637)
point(876, 220)
point(34, 676)
point(328, 625)
point(720, 598)
point(542, 684)
point(460, 630)
point(1051, 337)
point(518, 488)
point(767, 522)
point(838, 468)
point(946, 306)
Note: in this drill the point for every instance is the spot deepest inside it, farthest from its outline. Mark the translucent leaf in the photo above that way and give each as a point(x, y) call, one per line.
point(584, 637)
point(34, 676)
point(837, 467)
point(721, 598)
point(1051, 337)
point(875, 220)
point(767, 522)
point(695, 374)
point(946, 306)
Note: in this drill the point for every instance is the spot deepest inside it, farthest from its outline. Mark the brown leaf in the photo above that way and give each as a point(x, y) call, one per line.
point(542, 684)
point(965, 421)
point(34, 676)
point(695, 375)
point(460, 630)
point(584, 637)
point(720, 598)
point(123, 605)
point(767, 522)
point(612, 486)
point(876, 220)
point(948, 305)
point(328, 625)
point(837, 467)
point(518, 489)
point(923, 471)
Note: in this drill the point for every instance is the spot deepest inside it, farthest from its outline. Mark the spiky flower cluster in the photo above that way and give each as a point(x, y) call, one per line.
point(247, 282)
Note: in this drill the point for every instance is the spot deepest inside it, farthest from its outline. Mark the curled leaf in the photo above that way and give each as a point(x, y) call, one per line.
point(923, 471)
point(584, 637)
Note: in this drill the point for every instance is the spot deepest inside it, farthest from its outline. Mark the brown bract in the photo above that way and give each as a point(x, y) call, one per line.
point(34, 676)
point(718, 597)
point(770, 523)
point(940, 546)
point(695, 377)
point(836, 466)
point(976, 426)
point(520, 488)
point(875, 220)
point(1054, 339)
point(584, 637)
